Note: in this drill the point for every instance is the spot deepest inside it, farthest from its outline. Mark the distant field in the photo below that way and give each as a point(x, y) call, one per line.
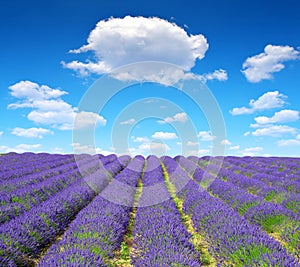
point(148, 211)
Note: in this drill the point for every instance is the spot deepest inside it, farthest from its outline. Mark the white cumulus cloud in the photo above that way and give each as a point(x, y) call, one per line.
point(120, 41)
point(31, 132)
point(262, 66)
point(285, 115)
point(164, 135)
point(33, 91)
point(268, 100)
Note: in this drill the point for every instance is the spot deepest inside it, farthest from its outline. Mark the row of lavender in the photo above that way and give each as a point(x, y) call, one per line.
point(98, 229)
point(160, 239)
point(244, 243)
point(275, 188)
point(32, 189)
point(275, 219)
point(23, 238)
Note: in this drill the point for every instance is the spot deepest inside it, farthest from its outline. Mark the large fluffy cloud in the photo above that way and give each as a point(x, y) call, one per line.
point(268, 100)
point(49, 109)
point(262, 66)
point(121, 41)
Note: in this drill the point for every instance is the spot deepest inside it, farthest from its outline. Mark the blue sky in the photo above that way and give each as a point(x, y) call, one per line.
point(245, 55)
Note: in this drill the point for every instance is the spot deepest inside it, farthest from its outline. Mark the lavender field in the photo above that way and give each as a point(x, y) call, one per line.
point(228, 211)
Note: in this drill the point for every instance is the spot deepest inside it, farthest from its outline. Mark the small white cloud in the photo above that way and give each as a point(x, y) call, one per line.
point(225, 142)
point(89, 149)
point(147, 148)
point(220, 75)
point(164, 135)
point(31, 132)
point(189, 143)
point(268, 100)
point(120, 41)
point(251, 151)
point(234, 147)
point(205, 136)
point(289, 142)
point(199, 152)
point(141, 139)
point(179, 117)
point(285, 115)
point(262, 66)
point(247, 133)
point(21, 148)
point(1, 133)
point(275, 131)
point(128, 122)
